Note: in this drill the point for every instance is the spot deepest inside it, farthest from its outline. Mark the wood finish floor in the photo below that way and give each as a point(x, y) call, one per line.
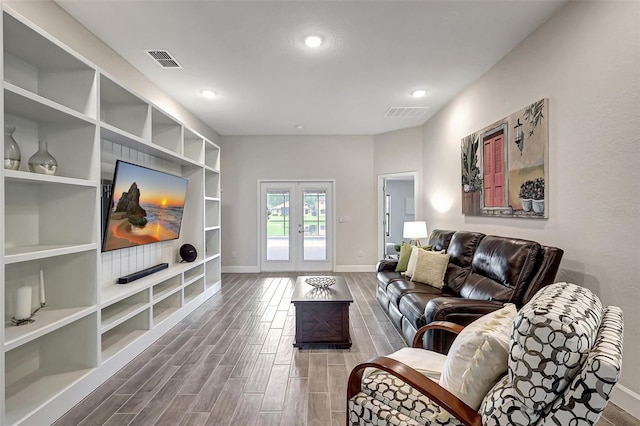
point(231, 362)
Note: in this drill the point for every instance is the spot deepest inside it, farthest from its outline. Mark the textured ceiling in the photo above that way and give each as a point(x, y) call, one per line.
point(252, 53)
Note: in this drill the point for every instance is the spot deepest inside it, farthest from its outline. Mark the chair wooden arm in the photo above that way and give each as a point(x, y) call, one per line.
point(445, 399)
point(436, 325)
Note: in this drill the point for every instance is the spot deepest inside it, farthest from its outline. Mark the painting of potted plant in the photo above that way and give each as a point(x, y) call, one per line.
point(538, 196)
point(471, 179)
point(532, 195)
point(526, 195)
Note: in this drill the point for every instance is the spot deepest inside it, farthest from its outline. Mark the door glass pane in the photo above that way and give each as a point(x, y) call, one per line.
point(277, 225)
point(315, 225)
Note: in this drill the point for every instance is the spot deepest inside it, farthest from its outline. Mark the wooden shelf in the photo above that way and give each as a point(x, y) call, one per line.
point(90, 325)
point(197, 277)
point(118, 313)
point(46, 320)
point(193, 290)
point(27, 253)
point(37, 63)
point(33, 390)
point(166, 288)
point(27, 177)
point(115, 292)
point(166, 307)
point(114, 341)
point(22, 102)
point(162, 313)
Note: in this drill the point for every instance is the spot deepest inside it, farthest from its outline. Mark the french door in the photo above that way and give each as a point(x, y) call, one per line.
point(296, 225)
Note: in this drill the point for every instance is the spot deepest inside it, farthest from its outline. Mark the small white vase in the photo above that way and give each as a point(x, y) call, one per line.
point(538, 206)
point(43, 162)
point(526, 204)
point(11, 149)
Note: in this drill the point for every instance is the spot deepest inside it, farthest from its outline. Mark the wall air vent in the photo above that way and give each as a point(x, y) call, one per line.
point(405, 112)
point(163, 58)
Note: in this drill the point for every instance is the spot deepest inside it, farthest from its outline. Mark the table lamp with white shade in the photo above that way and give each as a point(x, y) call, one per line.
point(415, 231)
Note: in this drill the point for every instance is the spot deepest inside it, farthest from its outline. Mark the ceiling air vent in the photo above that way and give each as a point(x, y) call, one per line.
point(405, 112)
point(163, 58)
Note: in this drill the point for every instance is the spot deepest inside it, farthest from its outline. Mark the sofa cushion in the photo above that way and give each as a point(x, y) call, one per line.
point(479, 287)
point(397, 289)
point(383, 395)
point(500, 269)
point(384, 278)
point(439, 239)
point(363, 409)
point(427, 363)
point(478, 356)
point(412, 306)
point(431, 268)
point(462, 246)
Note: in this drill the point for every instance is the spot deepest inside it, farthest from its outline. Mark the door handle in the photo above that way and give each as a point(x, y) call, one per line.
point(299, 229)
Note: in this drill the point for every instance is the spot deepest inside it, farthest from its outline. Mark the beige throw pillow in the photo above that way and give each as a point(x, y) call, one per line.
point(430, 268)
point(413, 261)
point(478, 356)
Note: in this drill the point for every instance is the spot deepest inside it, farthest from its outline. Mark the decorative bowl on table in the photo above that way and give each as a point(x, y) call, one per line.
point(320, 282)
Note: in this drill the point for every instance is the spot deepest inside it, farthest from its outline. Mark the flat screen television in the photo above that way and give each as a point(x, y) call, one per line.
point(146, 206)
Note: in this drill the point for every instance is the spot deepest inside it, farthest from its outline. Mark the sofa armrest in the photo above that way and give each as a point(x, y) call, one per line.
point(436, 325)
point(432, 390)
point(387, 265)
point(453, 309)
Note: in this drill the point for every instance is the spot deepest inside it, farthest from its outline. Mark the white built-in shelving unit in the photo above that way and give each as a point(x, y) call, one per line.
point(91, 326)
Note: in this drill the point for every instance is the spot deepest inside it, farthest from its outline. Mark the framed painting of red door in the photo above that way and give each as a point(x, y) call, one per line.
point(505, 166)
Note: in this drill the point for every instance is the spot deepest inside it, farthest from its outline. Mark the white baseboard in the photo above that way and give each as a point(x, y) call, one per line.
point(355, 268)
point(240, 269)
point(255, 269)
point(626, 399)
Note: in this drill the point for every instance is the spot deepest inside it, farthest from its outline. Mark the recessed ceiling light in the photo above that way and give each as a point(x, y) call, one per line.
point(313, 41)
point(208, 93)
point(299, 126)
point(418, 93)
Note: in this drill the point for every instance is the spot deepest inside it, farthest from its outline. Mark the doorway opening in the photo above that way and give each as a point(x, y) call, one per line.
point(397, 204)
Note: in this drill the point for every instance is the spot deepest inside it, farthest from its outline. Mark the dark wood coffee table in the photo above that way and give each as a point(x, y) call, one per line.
point(322, 315)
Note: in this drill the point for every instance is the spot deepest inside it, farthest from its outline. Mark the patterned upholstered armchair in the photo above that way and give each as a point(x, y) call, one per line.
point(555, 362)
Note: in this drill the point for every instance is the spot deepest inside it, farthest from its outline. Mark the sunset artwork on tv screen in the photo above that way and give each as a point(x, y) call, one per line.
point(146, 207)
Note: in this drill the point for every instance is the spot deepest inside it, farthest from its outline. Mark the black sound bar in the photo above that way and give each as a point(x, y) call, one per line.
point(140, 274)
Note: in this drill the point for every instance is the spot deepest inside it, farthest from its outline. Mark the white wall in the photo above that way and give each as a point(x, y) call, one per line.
point(347, 159)
point(398, 151)
point(57, 22)
point(586, 60)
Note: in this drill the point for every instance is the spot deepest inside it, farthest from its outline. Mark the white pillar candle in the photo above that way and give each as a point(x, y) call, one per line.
point(23, 303)
point(42, 298)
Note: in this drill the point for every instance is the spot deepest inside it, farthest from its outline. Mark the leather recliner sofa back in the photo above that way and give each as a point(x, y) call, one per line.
point(501, 270)
point(461, 248)
point(439, 239)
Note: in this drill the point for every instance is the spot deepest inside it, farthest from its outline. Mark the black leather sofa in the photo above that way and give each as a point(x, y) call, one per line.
point(484, 273)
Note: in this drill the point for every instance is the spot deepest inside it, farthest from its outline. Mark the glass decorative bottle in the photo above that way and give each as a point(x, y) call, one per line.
point(43, 162)
point(11, 149)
